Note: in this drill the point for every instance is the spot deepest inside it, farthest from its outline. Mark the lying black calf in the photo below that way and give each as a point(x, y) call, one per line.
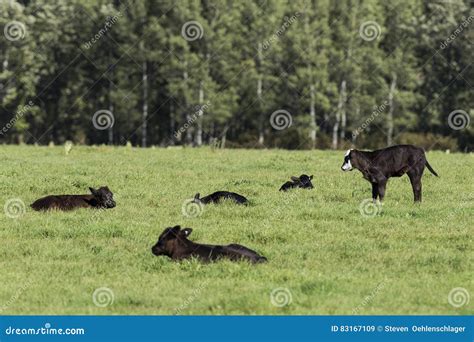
point(218, 196)
point(378, 166)
point(100, 199)
point(303, 181)
point(174, 243)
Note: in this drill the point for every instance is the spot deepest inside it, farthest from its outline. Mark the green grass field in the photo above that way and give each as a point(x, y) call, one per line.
point(322, 252)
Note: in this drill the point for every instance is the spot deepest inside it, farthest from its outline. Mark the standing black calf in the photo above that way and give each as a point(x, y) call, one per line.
point(100, 199)
point(218, 196)
point(378, 166)
point(174, 243)
point(303, 181)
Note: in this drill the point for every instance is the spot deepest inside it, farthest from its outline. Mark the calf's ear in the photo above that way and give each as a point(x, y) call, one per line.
point(186, 232)
point(93, 191)
point(295, 179)
point(197, 196)
point(175, 231)
point(311, 177)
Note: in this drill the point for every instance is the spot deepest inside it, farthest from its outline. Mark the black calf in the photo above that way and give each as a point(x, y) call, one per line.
point(303, 181)
point(218, 196)
point(378, 166)
point(100, 199)
point(174, 243)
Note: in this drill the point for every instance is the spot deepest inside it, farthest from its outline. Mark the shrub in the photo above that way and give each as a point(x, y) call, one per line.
point(428, 141)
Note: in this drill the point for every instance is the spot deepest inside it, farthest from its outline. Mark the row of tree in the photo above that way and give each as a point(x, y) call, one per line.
point(292, 74)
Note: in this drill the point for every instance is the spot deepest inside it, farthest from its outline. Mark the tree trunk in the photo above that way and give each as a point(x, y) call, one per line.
point(111, 128)
point(3, 90)
point(339, 113)
point(5, 62)
point(335, 129)
point(189, 137)
point(212, 133)
point(354, 136)
point(391, 94)
point(343, 124)
point(224, 136)
point(111, 109)
point(172, 123)
point(312, 114)
point(343, 116)
point(198, 139)
point(145, 104)
point(261, 130)
point(325, 126)
point(312, 87)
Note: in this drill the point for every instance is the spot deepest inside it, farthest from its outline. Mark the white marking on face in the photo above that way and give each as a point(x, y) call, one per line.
point(347, 166)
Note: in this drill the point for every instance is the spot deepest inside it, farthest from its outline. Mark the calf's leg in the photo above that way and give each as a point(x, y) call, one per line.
point(415, 181)
point(381, 188)
point(375, 191)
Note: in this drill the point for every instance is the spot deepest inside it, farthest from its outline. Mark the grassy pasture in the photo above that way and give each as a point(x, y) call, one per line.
point(322, 252)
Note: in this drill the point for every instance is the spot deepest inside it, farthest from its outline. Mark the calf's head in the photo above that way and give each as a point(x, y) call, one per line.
point(170, 240)
point(104, 197)
point(347, 165)
point(197, 198)
point(303, 181)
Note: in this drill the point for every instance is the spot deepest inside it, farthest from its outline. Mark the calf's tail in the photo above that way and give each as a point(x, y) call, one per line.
point(431, 169)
